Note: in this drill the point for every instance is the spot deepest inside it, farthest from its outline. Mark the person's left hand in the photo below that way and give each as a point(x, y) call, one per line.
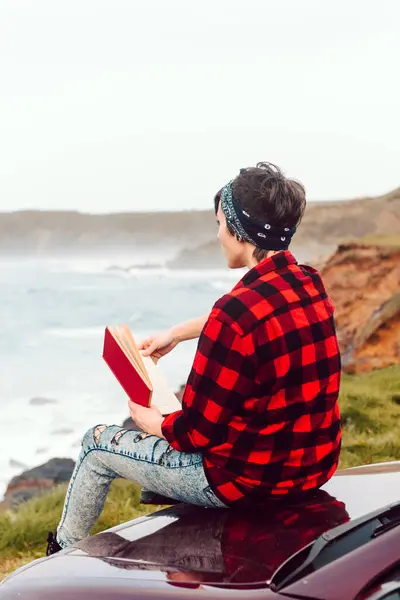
point(148, 419)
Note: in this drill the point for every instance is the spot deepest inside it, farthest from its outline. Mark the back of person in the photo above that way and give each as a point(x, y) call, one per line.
point(285, 435)
point(261, 403)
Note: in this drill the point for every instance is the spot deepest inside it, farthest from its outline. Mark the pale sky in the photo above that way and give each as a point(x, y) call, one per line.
point(111, 105)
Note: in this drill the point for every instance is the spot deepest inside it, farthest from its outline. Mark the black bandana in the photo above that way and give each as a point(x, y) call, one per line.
point(262, 235)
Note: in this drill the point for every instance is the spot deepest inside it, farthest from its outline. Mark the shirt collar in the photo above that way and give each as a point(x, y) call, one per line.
point(280, 260)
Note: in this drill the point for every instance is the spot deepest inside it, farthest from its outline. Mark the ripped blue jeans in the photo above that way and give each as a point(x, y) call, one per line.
point(111, 452)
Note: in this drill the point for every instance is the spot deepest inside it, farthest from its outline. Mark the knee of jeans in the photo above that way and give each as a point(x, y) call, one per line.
point(93, 435)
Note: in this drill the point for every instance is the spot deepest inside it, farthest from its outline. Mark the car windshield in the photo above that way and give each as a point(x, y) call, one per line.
point(336, 543)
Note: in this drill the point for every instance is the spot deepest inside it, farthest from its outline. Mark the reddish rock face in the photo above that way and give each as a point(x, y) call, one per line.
point(364, 284)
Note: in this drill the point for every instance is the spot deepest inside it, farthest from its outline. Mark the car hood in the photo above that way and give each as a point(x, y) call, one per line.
point(188, 546)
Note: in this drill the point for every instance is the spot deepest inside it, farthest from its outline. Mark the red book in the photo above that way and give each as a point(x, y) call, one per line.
point(138, 375)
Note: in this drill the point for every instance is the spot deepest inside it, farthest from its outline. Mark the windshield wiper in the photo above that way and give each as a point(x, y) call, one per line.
point(335, 543)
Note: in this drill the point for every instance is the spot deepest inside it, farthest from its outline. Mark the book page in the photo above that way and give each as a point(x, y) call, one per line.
point(123, 340)
point(130, 341)
point(163, 397)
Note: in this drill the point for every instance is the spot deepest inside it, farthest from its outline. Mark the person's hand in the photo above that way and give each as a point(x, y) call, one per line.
point(158, 345)
point(148, 419)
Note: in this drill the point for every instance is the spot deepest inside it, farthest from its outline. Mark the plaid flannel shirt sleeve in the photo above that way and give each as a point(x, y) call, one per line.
point(221, 379)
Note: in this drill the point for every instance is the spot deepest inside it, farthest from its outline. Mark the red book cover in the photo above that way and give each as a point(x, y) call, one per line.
point(124, 371)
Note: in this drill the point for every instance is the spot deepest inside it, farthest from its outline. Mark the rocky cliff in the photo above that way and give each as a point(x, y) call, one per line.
point(364, 283)
point(44, 232)
point(192, 233)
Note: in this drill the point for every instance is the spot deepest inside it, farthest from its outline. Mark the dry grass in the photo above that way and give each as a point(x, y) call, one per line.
point(390, 240)
point(8, 565)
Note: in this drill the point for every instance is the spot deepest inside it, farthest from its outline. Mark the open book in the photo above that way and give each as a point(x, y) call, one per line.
point(138, 375)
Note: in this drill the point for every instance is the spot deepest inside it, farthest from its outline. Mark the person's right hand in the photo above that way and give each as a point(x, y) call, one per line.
point(158, 345)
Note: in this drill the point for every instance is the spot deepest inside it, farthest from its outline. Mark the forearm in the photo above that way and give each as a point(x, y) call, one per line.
point(189, 329)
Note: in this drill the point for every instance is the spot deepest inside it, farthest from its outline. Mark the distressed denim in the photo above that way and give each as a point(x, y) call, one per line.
point(111, 452)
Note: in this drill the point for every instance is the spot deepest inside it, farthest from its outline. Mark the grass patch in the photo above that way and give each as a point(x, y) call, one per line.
point(370, 406)
point(23, 532)
point(370, 410)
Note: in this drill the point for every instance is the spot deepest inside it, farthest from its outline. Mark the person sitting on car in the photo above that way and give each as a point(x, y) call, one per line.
point(260, 420)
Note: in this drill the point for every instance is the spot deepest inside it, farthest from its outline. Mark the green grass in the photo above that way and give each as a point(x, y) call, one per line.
point(23, 532)
point(370, 406)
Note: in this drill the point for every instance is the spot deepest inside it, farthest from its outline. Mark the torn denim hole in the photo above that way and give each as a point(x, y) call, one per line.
point(97, 432)
point(141, 436)
point(118, 436)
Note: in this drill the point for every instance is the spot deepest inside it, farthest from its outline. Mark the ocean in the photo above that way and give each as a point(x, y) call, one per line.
point(54, 384)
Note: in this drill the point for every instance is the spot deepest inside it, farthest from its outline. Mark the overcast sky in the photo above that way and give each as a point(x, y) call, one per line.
point(154, 104)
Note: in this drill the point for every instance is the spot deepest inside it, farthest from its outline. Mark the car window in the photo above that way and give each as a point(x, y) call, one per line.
point(336, 543)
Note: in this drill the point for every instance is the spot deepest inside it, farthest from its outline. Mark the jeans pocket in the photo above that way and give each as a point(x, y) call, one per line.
point(212, 498)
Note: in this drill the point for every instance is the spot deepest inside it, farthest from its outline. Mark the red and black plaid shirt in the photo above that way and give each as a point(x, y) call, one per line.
point(261, 400)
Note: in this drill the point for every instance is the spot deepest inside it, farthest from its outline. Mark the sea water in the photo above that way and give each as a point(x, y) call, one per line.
point(54, 384)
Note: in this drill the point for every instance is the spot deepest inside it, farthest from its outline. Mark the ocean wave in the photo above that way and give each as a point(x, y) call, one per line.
point(119, 268)
point(31, 435)
point(80, 266)
point(75, 332)
point(146, 270)
point(185, 274)
point(98, 265)
point(221, 285)
point(100, 287)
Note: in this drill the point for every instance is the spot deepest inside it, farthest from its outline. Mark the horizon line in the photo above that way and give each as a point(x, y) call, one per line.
point(178, 211)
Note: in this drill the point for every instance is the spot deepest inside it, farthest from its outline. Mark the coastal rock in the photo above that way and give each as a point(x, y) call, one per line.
point(62, 431)
point(129, 268)
point(363, 281)
point(39, 401)
point(130, 424)
point(204, 256)
point(36, 480)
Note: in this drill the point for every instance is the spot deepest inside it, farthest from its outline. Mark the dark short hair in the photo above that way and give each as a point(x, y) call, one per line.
point(268, 195)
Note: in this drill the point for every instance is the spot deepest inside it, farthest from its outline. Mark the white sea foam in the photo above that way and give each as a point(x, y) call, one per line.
point(83, 266)
point(222, 285)
point(177, 274)
point(82, 332)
